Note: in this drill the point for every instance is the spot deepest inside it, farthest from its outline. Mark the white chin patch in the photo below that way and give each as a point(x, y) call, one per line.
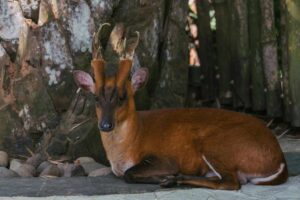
point(121, 167)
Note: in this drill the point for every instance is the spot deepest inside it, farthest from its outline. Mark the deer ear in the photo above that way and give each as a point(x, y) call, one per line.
point(139, 78)
point(84, 80)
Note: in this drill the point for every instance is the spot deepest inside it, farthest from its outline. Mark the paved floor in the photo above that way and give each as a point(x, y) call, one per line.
point(288, 191)
point(111, 188)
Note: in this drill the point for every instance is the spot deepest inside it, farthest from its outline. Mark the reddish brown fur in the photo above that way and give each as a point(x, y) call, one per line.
point(231, 141)
point(98, 68)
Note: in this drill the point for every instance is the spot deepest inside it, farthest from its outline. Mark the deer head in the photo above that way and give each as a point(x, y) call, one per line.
point(114, 95)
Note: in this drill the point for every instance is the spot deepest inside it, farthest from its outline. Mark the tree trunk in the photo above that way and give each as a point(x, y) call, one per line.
point(223, 43)
point(172, 87)
point(293, 8)
point(240, 57)
point(270, 59)
point(284, 50)
point(206, 51)
point(37, 93)
point(255, 61)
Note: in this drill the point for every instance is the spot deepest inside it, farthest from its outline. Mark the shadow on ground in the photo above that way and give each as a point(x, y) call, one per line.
point(293, 161)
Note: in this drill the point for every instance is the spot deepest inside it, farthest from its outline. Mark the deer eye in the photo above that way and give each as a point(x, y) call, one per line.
point(122, 98)
point(97, 101)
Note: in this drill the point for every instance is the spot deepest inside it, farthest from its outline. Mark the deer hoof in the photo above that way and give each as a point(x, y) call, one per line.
point(169, 181)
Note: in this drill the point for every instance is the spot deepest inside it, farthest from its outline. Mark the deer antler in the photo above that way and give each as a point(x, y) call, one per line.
point(123, 46)
point(98, 62)
point(130, 46)
point(117, 38)
point(96, 46)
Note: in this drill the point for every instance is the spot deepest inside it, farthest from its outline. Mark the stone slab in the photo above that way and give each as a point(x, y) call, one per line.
point(289, 190)
point(41, 187)
point(115, 188)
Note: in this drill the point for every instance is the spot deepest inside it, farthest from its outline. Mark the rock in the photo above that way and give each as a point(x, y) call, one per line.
point(101, 12)
point(78, 23)
point(57, 64)
point(88, 163)
point(100, 172)
point(15, 164)
point(81, 160)
point(77, 170)
point(30, 9)
point(42, 166)
point(50, 171)
point(3, 159)
point(11, 20)
point(26, 170)
point(91, 166)
point(35, 160)
point(34, 103)
point(61, 167)
point(5, 173)
point(71, 170)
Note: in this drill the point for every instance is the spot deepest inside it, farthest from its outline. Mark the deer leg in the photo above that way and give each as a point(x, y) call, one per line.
point(151, 170)
point(224, 179)
point(228, 182)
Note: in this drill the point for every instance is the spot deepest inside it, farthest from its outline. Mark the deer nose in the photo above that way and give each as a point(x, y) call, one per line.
point(106, 126)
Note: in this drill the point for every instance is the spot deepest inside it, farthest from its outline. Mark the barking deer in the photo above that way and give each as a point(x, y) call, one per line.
point(203, 147)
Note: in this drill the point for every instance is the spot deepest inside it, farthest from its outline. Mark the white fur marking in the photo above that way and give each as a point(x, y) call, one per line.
point(120, 167)
point(210, 174)
point(242, 177)
point(269, 178)
point(211, 167)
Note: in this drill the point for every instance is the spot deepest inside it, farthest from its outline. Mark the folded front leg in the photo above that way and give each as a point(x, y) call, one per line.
point(227, 182)
point(151, 170)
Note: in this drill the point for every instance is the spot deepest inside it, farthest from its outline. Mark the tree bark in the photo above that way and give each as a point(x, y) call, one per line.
point(223, 42)
point(172, 87)
point(37, 93)
point(206, 51)
point(270, 59)
point(255, 61)
point(293, 8)
point(240, 57)
point(284, 50)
